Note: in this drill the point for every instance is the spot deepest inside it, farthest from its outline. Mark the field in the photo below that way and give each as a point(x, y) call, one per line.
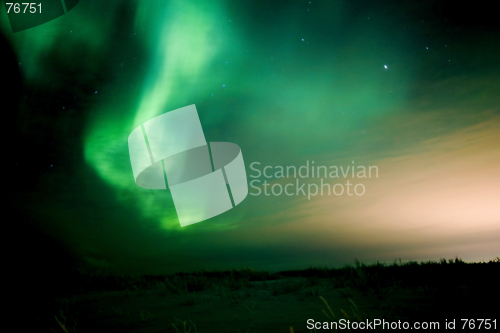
point(247, 301)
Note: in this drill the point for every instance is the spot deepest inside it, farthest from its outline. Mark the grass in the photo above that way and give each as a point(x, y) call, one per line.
point(66, 316)
point(287, 287)
point(328, 312)
point(252, 312)
point(119, 312)
point(146, 316)
point(378, 281)
point(185, 326)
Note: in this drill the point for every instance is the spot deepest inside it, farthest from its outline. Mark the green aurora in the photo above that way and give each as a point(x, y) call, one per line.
point(404, 86)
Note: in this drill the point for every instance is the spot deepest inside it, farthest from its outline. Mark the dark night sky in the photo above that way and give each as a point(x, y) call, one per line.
point(411, 87)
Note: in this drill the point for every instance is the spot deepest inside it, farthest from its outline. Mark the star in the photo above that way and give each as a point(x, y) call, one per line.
point(385, 66)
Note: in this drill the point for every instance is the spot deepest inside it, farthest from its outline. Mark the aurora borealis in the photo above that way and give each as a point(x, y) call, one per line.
point(410, 87)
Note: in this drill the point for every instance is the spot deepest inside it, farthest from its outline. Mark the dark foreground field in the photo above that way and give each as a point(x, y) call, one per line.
point(252, 301)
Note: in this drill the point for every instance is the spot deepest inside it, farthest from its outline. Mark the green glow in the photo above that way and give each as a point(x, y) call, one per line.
point(398, 86)
point(336, 91)
point(182, 44)
point(339, 94)
point(185, 46)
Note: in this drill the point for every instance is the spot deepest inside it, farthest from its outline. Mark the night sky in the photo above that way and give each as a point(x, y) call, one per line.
point(411, 87)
